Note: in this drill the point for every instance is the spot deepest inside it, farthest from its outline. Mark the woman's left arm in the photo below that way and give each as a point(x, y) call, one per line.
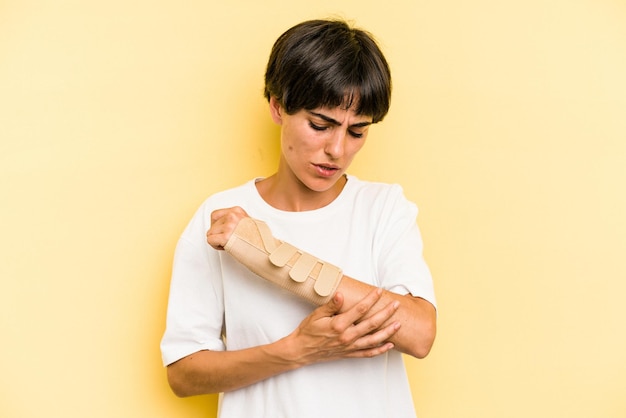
point(417, 316)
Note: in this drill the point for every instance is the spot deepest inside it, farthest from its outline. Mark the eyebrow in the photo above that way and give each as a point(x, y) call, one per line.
point(336, 122)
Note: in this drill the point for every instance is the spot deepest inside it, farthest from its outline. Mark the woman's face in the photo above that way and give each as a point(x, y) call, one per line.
point(318, 145)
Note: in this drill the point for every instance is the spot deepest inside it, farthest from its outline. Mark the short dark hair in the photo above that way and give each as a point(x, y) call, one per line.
point(327, 63)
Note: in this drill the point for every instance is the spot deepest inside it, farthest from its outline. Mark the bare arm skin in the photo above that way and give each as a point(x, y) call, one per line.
point(417, 316)
point(360, 321)
point(324, 335)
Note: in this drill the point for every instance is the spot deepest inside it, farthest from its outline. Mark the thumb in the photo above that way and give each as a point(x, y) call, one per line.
point(333, 306)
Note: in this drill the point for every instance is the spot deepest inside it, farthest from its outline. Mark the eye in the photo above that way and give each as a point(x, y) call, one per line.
point(317, 127)
point(355, 134)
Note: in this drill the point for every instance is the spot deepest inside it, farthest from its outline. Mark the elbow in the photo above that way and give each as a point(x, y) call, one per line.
point(423, 329)
point(179, 392)
point(189, 376)
point(180, 382)
point(422, 351)
point(423, 340)
point(176, 383)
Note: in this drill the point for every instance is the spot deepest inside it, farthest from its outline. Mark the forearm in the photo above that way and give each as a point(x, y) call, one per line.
point(207, 371)
point(315, 280)
point(326, 334)
point(416, 316)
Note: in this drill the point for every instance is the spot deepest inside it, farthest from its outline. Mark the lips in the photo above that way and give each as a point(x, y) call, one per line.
point(326, 170)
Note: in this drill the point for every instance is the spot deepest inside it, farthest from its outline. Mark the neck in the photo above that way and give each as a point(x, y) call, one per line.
point(295, 196)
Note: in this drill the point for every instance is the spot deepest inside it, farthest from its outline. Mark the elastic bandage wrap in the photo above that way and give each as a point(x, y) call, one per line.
point(254, 246)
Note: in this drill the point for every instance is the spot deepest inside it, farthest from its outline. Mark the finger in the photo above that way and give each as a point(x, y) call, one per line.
point(372, 352)
point(372, 324)
point(218, 214)
point(232, 213)
point(219, 233)
point(377, 338)
point(223, 224)
point(377, 320)
point(216, 241)
point(332, 307)
point(358, 311)
point(215, 236)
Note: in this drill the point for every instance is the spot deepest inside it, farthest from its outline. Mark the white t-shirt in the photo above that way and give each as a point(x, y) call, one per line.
point(215, 303)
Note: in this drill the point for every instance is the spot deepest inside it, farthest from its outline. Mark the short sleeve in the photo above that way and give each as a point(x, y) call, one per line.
point(196, 304)
point(400, 262)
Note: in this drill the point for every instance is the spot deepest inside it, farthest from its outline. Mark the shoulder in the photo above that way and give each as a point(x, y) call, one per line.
point(234, 193)
point(382, 204)
point(377, 193)
point(236, 196)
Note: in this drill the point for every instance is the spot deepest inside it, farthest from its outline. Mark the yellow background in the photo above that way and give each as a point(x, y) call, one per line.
point(507, 127)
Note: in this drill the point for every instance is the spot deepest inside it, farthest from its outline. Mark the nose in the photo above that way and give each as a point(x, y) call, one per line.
point(335, 144)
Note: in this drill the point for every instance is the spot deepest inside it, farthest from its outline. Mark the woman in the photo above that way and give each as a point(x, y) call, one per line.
point(271, 351)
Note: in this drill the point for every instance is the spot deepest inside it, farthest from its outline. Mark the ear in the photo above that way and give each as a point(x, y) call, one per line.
point(276, 111)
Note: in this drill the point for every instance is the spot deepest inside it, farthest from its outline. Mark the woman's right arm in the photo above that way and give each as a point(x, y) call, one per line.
point(324, 335)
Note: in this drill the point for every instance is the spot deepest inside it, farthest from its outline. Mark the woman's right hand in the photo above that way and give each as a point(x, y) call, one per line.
point(223, 223)
point(327, 335)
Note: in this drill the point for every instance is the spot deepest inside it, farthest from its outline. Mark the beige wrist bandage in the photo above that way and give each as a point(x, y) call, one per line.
point(253, 245)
